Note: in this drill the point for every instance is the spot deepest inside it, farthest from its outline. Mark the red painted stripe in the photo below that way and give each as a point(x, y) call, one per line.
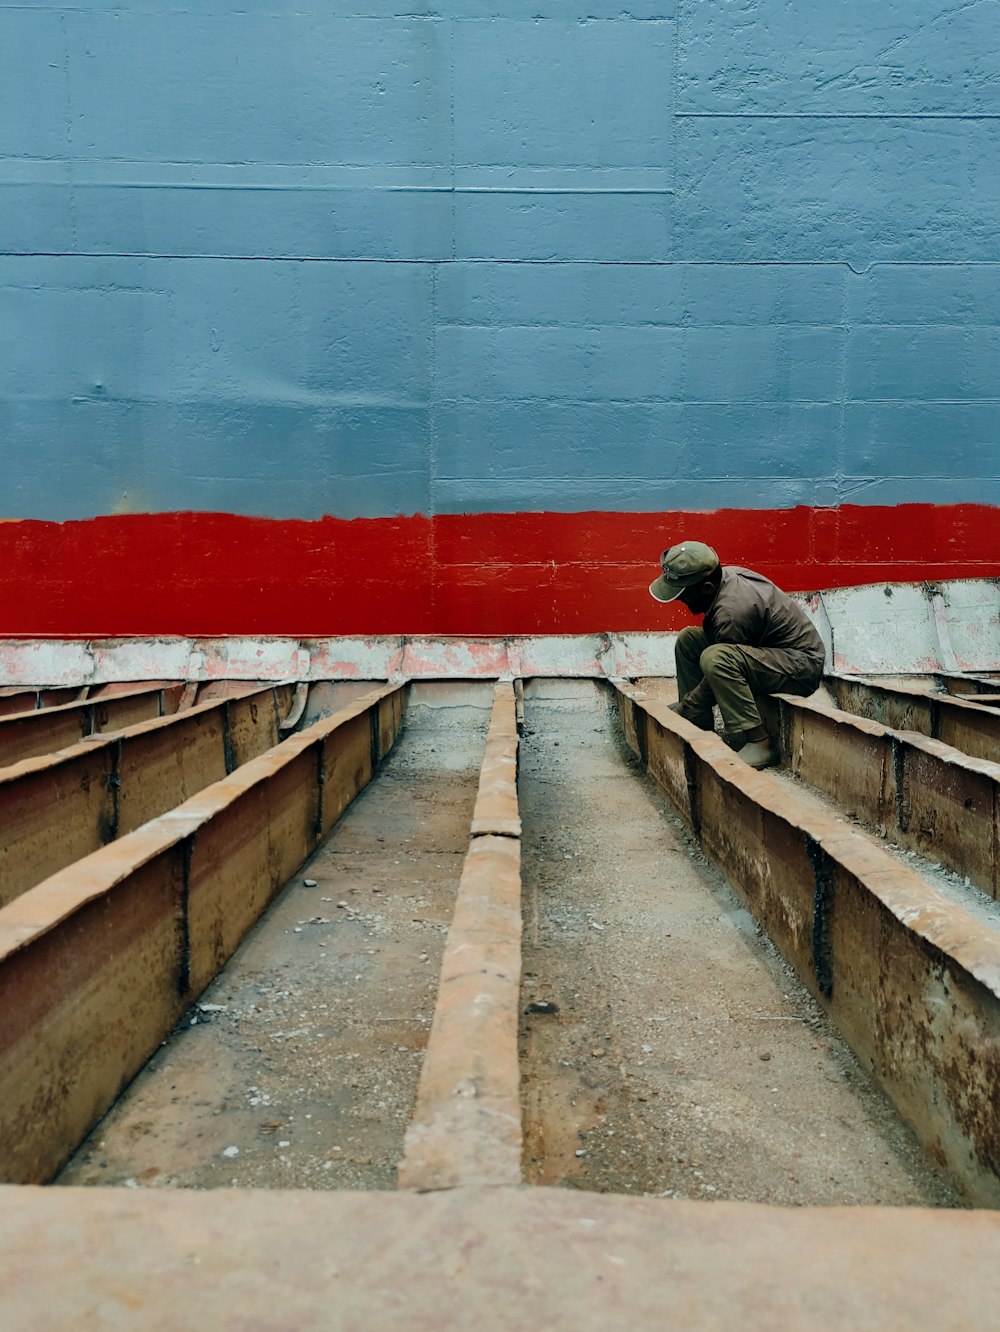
point(472, 574)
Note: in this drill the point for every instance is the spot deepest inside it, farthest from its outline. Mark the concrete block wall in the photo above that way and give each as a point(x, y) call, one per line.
point(508, 287)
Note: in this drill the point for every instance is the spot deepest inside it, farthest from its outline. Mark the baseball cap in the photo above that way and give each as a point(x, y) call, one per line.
point(683, 565)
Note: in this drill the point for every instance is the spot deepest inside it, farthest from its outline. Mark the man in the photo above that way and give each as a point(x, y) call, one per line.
point(754, 640)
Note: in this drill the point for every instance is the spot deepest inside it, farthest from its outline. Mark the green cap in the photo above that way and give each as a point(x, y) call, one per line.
point(683, 565)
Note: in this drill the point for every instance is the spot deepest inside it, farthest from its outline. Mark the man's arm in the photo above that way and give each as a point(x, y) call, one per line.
point(745, 628)
point(696, 704)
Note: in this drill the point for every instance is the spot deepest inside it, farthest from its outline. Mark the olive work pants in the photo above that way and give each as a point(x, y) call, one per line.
point(723, 673)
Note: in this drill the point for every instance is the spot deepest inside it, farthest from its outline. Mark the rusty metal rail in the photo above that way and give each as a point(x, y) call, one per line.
point(967, 686)
point(911, 980)
point(29, 733)
point(970, 727)
point(17, 698)
point(55, 809)
point(922, 794)
point(466, 1126)
point(98, 962)
point(33, 698)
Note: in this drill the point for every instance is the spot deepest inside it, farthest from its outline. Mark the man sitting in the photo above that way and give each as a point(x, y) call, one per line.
point(754, 639)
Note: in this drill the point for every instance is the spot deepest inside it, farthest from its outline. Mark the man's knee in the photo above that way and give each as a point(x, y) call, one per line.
point(689, 640)
point(723, 660)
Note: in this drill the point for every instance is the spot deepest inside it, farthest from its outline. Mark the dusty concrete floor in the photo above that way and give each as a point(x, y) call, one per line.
point(685, 1060)
point(299, 1066)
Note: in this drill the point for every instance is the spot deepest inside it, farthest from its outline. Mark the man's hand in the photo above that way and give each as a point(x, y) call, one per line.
point(703, 720)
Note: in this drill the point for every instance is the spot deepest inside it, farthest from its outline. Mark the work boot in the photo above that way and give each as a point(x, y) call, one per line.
point(759, 754)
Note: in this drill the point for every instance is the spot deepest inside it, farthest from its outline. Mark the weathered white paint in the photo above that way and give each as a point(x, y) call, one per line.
point(919, 627)
point(885, 628)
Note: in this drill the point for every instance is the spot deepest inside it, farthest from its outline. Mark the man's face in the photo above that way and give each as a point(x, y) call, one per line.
point(699, 597)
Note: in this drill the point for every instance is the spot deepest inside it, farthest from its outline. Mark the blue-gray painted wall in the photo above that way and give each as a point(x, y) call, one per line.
point(301, 259)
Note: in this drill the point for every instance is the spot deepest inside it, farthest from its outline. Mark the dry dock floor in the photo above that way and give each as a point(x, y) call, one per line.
point(685, 1059)
point(682, 1058)
point(299, 1065)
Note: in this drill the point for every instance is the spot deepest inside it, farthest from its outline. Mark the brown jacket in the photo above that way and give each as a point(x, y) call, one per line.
point(750, 611)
